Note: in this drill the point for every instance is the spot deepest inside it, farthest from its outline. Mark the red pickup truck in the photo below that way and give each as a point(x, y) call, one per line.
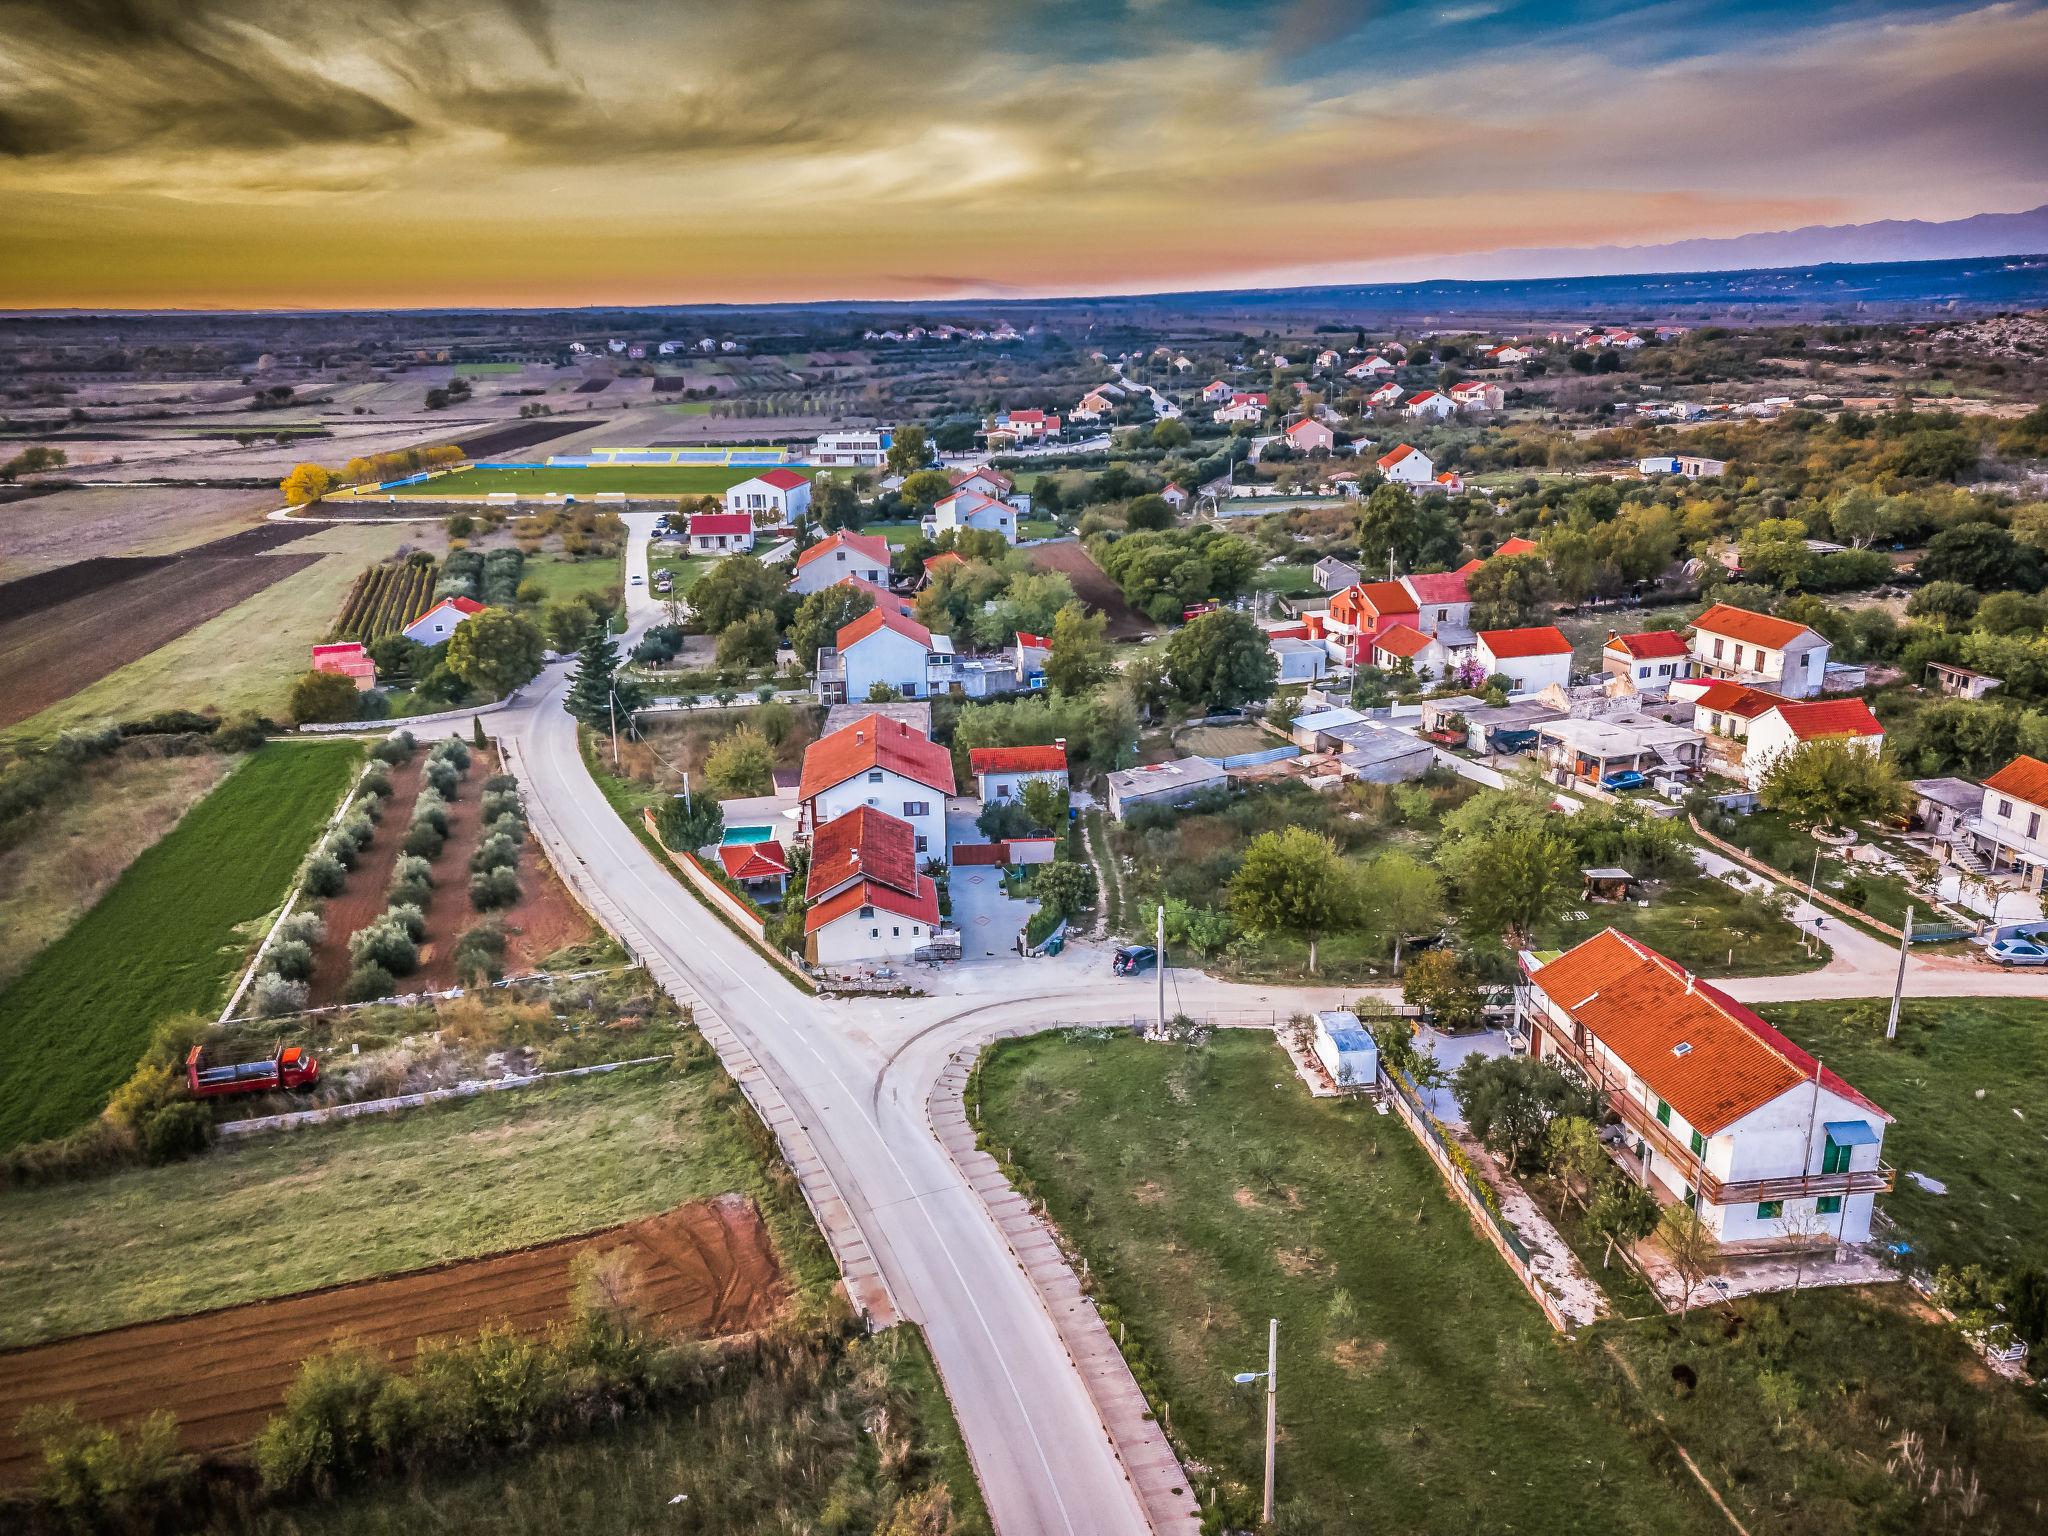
point(287, 1067)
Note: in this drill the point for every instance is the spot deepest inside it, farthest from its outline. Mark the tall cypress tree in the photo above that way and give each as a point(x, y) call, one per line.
point(591, 686)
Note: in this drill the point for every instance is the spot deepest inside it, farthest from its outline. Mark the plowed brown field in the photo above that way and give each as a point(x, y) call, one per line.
point(1093, 586)
point(705, 1270)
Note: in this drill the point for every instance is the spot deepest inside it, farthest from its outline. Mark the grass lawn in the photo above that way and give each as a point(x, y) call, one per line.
point(684, 568)
point(1967, 1085)
point(249, 656)
point(691, 408)
point(484, 370)
point(1790, 849)
point(1286, 580)
point(587, 480)
point(1587, 630)
point(895, 533)
point(165, 940)
point(602, 576)
point(1420, 1388)
point(1038, 528)
point(1705, 924)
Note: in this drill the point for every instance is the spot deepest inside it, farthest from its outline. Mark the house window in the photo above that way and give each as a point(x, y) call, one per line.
point(1717, 650)
point(874, 776)
point(895, 933)
point(2034, 824)
point(1738, 655)
point(1828, 1205)
point(867, 911)
point(1699, 1145)
point(921, 843)
point(1663, 1113)
point(1769, 1210)
point(917, 807)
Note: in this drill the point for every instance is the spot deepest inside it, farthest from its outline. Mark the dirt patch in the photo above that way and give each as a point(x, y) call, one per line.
point(1149, 1193)
point(705, 1270)
point(77, 523)
point(1298, 1261)
point(1093, 586)
point(1246, 1200)
point(1359, 1357)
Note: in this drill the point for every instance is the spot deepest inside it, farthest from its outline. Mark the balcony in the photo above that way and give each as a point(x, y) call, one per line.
point(1712, 1189)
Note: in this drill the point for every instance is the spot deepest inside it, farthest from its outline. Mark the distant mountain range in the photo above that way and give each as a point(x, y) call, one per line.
point(1888, 240)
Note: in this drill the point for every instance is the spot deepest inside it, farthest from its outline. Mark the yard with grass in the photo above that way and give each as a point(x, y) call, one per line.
point(1421, 1389)
point(1967, 1085)
point(1703, 923)
point(165, 940)
point(600, 576)
point(1790, 849)
point(586, 480)
point(1286, 580)
point(1587, 629)
point(684, 569)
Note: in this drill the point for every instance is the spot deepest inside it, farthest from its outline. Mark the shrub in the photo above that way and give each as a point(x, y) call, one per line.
point(323, 698)
point(494, 853)
point(423, 840)
point(358, 829)
point(397, 749)
point(301, 928)
point(480, 953)
point(432, 810)
point(177, 1131)
point(95, 1478)
point(342, 850)
point(493, 888)
point(376, 782)
point(497, 802)
point(326, 875)
point(370, 981)
point(508, 825)
point(412, 882)
point(83, 743)
point(498, 783)
point(386, 943)
point(444, 777)
point(241, 733)
point(347, 1412)
point(275, 995)
point(290, 959)
point(451, 751)
point(407, 918)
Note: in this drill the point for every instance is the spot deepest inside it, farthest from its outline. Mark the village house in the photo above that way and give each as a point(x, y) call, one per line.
point(1689, 465)
point(1333, 575)
point(1012, 427)
point(347, 658)
point(1242, 406)
point(883, 763)
point(1326, 360)
point(841, 554)
point(1451, 481)
point(883, 648)
point(1309, 436)
point(1590, 750)
point(1477, 395)
point(2010, 832)
point(1374, 367)
point(1173, 783)
point(1095, 405)
point(1535, 658)
point(1721, 1111)
point(1790, 724)
point(1402, 648)
point(971, 509)
point(1359, 613)
point(1648, 662)
point(866, 899)
point(442, 620)
point(1429, 405)
point(1174, 496)
point(1216, 392)
point(718, 533)
point(1516, 545)
point(1000, 773)
point(984, 481)
point(1383, 397)
point(1405, 465)
point(1443, 605)
point(1723, 712)
point(1509, 354)
point(1944, 808)
point(1760, 650)
point(1959, 682)
point(762, 868)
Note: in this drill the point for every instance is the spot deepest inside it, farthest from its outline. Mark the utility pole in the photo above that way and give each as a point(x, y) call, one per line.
point(612, 704)
point(1161, 947)
point(686, 793)
point(1891, 1024)
point(1272, 1407)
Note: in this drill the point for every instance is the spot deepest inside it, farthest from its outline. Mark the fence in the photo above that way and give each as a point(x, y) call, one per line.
point(294, 1119)
point(1751, 862)
point(725, 903)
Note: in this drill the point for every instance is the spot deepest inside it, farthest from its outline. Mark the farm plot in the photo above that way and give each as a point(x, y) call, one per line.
point(42, 532)
point(386, 598)
point(1093, 586)
point(163, 941)
point(703, 1270)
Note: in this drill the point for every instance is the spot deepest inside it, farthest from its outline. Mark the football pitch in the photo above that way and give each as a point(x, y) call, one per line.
point(631, 479)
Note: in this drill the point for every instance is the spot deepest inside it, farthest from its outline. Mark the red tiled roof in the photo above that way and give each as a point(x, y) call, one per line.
point(945, 559)
point(1642, 1006)
point(462, 605)
point(1027, 415)
point(875, 741)
point(1651, 643)
point(721, 522)
point(1374, 599)
point(881, 617)
point(922, 907)
point(1033, 642)
point(863, 844)
point(960, 477)
point(1439, 587)
point(1427, 394)
point(2024, 778)
point(1538, 640)
point(782, 479)
point(1051, 759)
point(874, 546)
point(1305, 422)
point(1518, 546)
point(1818, 719)
point(1394, 456)
point(753, 861)
point(883, 597)
point(1402, 640)
point(1738, 699)
point(1750, 628)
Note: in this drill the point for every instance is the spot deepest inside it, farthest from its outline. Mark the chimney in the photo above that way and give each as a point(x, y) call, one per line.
point(1689, 980)
point(1060, 742)
point(1611, 634)
point(859, 736)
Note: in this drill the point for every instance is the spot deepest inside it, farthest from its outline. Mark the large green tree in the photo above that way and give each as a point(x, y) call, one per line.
point(495, 651)
point(595, 681)
point(1079, 658)
point(1220, 661)
point(820, 617)
point(1511, 592)
point(1512, 871)
point(1509, 1103)
point(1294, 882)
point(733, 589)
point(1417, 532)
point(909, 450)
point(1409, 896)
point(1831, 783)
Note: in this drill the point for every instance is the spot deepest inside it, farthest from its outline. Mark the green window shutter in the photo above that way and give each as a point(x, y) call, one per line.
point(1770, 1210)
point(1835, 1159)
point(1663, 1113)
point(1699, 1145)
point(1828, 1205)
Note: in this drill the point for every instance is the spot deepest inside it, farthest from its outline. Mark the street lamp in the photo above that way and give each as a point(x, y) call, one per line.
point(1271, 1376)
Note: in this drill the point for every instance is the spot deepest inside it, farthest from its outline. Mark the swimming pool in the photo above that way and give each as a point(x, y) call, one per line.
point(749, 835)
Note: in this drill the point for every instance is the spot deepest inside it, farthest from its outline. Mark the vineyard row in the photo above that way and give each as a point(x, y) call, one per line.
point(384, 600)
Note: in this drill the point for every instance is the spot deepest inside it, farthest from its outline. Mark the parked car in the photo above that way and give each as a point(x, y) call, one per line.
point(2019, 952)
point(1133, 958)
point(1628, 778)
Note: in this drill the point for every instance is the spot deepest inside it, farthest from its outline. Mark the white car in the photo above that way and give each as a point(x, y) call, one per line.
point(639, 581)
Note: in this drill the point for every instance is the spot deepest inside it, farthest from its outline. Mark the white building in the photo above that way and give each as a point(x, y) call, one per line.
point(972, 509)
point(782, 491)
point(1791, 724)
point(1477, 395)
point(984, 480)
point(1430, 405)
point(2010, 833)
point(883, 763)
point(1173, 783)
point(1345, 1049)
point(1243, 407)
point(1536, 658)
point(721, 533)
point(864, 450)
point(1404, 645)
point(442, 620)
point(1720, 1109)
point(1298, 659)
point(1407, 466)
point(883, 648)
point(1000, 773)
point(1216, 392)
point(840, 555)
point(1384, 396)
point(867, 900)
point(1759, 650)
point(1647, 662)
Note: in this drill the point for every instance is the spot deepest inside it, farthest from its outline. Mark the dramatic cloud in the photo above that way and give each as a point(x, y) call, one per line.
point(504, 151)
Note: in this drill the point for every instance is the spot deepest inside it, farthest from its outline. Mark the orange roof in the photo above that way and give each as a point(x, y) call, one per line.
point(1651, 643)
point(1402, 640)
point(880, 617)
point(2024, 778)
point(1738, 699)
point(1518, 546)
point(1750, 628)
point(1370, 599)
point(875, 741)
point(1819, 719)
point(1394, 456)
point(1052, 759)
point(883, 597)
point(1306, 422)
point(874, 546)
point(753, 861)
point(945, 559)
point(1539, 640)
point(1643, 1007)
point(863, 844)
point(922, 907)
point(960, 477)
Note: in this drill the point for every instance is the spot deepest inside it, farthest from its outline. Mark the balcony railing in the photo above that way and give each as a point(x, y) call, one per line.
point(1711, 1188)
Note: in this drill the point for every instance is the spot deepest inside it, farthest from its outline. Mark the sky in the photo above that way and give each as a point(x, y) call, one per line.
point(302, 153)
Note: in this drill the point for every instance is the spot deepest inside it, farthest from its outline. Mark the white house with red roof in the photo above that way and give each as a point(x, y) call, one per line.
point(1384, 396)
point(1648, 662)
point(347, 658)
point(1476, 395)
point(1451, 481)
point(1243, 405)
point(989, 482)
point(1000, 773)
point(1429, 405)
point(1760, 650)
point(1374, 367)
point(971, 509)
point(1174, 496)
point(782, 494)
point(1721, 1111)
point(1510, 354)
point(442, 620)
point(866, 899)
point(1310, 436)
point(883, 764)
point(1217, 392)
point(1402, 647)
point(757, 866)
point(1536, 658)
point(2010, 832)
point(840, 555)
point(1028, 426)
point(1442, 602)
point(884, 648)
point(1790, 724)
point(721, 533)
point(1406, 465)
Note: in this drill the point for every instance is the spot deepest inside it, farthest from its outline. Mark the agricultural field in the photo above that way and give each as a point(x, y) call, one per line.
point(1093, 586)
point(163, 941)
point(386, 598)
point(70, 852)
point(487, 370)
point(1419, 1383)
point(40, 533)
point(601, 576)
point(706, 1269)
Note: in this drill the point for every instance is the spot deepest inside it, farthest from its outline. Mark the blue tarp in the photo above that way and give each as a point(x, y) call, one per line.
point(1851, 1133)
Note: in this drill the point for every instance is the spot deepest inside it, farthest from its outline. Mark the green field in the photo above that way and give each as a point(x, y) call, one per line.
point(1286, 580)
point(1703, 923)
point(165, 940)
point(1990, 1151)
point(484, 370)
point(1421, 1389)
point(632, 479)
point(393, 1193)
point(602, 576)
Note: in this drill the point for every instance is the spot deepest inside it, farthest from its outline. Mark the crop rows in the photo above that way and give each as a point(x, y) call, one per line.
point(385, 598)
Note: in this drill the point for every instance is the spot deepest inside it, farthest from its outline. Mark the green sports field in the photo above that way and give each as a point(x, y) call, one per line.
point(634, 479)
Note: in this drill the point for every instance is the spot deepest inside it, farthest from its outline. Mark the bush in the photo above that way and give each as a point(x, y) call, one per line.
point(323, 698)
point(242, 732)
point(397, 749)
point(290, 959)
point(508, 825)
point(357, 830)
point(377, 782)
point(412, 882)
point(326, 875)
point(301, 927)
point(387, 944)
point(443, 777)
point(494, 853)
point(480, 953)
point(498, 783)
point(83, 743)
point(423, 840)
point(408, 918)
point(431, 810)
point(177, 1131)
point(274, 996)
point(95, 1478)
point(347, 1413)
point(370, 981)
point(452, 750)
point(496, 803)
point(493, 888)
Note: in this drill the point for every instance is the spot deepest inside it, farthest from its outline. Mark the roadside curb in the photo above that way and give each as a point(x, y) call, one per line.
point(866, 1289)
point(1149, 1464)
